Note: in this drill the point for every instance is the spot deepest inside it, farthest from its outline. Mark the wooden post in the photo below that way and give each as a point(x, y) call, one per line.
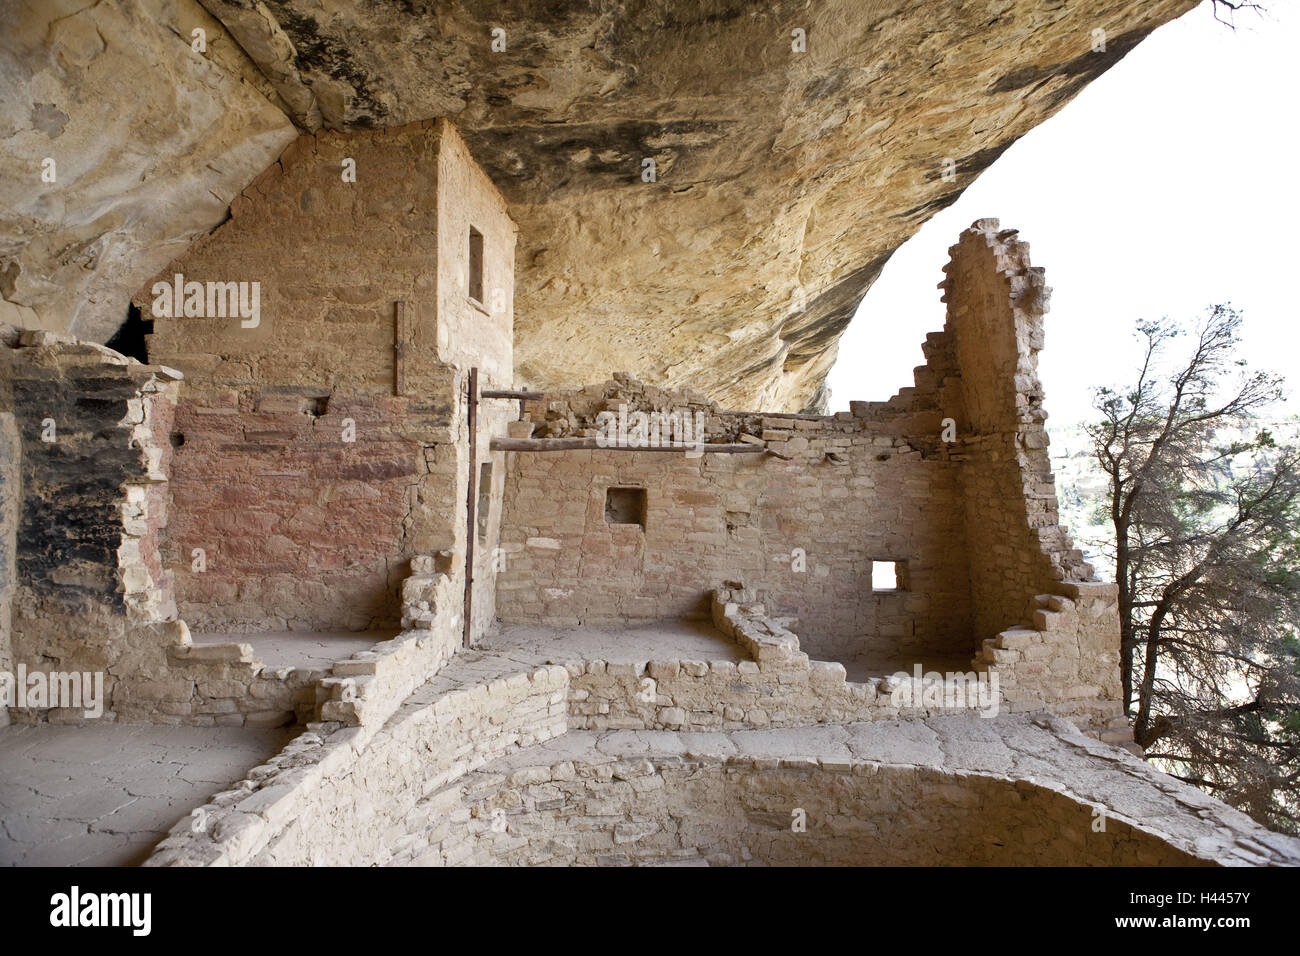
point(471, 500)
point(401, 336)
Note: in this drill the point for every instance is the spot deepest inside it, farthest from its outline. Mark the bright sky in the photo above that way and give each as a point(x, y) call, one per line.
point(1168, 184)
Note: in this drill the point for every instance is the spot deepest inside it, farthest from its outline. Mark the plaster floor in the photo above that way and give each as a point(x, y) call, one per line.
point(666, 640)
point(102, 794)
point(308, 650)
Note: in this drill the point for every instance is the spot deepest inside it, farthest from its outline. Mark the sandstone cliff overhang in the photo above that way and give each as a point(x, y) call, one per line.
point(795, 147)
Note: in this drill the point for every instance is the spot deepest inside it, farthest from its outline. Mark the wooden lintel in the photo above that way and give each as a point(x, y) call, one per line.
point(572, 444)
point(511, 393)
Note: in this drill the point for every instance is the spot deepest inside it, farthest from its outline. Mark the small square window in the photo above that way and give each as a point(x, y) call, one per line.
point(888, 575)
point(475, 265)
point(625, 506)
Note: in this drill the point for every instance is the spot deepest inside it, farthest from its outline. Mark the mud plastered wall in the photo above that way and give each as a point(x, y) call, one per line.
point(321, 448)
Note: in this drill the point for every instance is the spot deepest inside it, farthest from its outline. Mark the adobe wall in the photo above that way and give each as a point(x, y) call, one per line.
point(322, 449)
point(847, 489)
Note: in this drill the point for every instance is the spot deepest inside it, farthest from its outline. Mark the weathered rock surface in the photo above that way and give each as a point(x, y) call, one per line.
point(150, 142)
point(783, 180)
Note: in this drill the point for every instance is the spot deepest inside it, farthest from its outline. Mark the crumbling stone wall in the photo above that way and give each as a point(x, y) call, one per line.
point(996, 303)
point(1042, 616)
point(85, 489)
point(323, 448)
point(86, 592)
point(950, 477)
point(10, 494)
point(801, 526)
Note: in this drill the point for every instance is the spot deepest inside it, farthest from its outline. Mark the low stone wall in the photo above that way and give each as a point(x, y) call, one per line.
point(222, 685)
point(781, 687)
point(368, 687)
point(1067, 661)
point(724, 811)
point(469, 770)
point(335, 794)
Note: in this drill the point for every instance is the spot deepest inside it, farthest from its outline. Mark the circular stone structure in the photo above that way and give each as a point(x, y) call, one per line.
point(701, 810)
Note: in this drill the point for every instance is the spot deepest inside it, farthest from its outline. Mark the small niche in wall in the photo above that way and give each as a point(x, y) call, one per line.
point(476, 265)
point(481, 513)
point(888, 576)
point(625, 506)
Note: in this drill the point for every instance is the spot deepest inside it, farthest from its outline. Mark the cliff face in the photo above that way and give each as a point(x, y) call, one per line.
point(795, 146)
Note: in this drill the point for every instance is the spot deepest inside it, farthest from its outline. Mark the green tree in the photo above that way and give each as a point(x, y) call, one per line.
point(1205, 509)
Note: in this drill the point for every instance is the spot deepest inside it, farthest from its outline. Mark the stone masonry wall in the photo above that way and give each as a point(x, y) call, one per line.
point(10, 505)
point(845, 490)
point(1037, 607)
point(724, 810)
point(334, 795)
point(322, 449)
point(480, 770)
point(996, 302)
point(972, 513)
point(88, 594)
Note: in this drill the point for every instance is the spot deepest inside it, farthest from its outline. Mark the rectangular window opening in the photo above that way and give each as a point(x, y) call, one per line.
point(475, 265)
point(484, 500)
point(625, 506)
point(888, 575)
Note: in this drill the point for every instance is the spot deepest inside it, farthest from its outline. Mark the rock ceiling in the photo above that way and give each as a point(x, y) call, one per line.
point(784, 178)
